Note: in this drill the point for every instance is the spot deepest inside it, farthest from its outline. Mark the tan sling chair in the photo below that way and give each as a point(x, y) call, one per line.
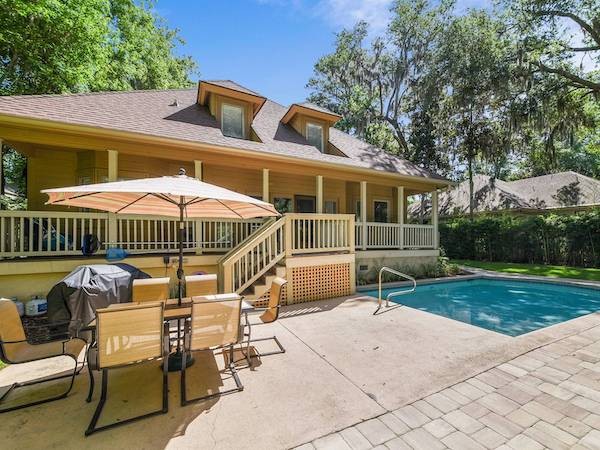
point(15, 349)
point(126, 335)
point(150, 290)
point(215, 324)
point(270, 314)
point(196, 285)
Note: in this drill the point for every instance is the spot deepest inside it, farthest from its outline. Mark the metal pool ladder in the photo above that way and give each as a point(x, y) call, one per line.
point(396, 293)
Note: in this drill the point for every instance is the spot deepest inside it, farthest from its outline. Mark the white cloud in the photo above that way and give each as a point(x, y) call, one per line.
point(345, 13)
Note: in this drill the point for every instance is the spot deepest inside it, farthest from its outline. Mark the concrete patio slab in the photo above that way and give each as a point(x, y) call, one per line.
point(343, 366)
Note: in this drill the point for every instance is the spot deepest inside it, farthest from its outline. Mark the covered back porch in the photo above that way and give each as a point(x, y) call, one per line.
point(377, 204)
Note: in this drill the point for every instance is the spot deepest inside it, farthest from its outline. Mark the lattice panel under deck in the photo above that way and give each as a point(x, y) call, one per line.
point(320, 282)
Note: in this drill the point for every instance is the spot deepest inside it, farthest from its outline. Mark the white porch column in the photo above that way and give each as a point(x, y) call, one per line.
point(319, 206)
point(363, 213)
point(265, 185)
point(113, 165)
point(113, 175)
point(198, 169)
point(198, 224)
point(434, 218)
point(400, 213)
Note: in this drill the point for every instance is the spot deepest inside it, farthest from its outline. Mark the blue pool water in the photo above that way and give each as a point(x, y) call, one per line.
point(505, 306)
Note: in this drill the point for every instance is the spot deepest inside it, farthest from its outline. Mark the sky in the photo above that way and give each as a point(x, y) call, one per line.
point(269, 46)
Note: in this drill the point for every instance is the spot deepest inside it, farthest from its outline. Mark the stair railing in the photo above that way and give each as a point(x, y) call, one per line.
point(254, 257)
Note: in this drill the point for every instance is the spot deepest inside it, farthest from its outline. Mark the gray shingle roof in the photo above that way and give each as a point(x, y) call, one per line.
point(156, 113)
point(310, 105)
point(558, 190)
point(232, 85)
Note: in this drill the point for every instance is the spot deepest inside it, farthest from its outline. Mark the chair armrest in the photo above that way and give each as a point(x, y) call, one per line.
point(66, 341)
point(14, 342)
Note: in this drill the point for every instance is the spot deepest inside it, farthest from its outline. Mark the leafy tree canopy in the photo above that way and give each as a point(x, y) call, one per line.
point(60, 46)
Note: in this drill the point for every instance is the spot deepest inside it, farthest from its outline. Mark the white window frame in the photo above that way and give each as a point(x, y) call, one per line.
point(223, 105)
point(309, 124)
point(381, 200)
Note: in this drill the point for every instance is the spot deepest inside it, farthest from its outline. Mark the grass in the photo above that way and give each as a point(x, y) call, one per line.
point(535, 269)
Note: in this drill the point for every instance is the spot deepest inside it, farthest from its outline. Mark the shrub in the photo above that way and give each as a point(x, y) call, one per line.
point(441, 268)
point(572, 239)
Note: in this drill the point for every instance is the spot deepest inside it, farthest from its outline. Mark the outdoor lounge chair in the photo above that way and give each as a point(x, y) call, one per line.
point(196, 285)
point(127, 335)
point(270, 314)
point(215, 324)
point(150, 290)
point(15, 349)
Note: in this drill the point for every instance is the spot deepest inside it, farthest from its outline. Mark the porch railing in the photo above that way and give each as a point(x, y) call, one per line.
point(54, 233)
point(373, 235)
point(40, 233)
point(318, 233)
point(146, 234)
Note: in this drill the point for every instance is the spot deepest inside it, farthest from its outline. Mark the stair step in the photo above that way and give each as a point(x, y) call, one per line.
point(259, 289)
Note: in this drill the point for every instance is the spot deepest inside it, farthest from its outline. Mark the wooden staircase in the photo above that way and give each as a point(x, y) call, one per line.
point(261, 286)
point(250, 267)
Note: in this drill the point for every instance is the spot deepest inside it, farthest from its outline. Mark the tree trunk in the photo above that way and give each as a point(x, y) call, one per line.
point(471, 185)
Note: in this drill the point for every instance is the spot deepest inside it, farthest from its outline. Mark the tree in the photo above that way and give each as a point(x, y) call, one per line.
point(555, 34)
point(371, 84)
point(52, 46)
point(475, 72)
point(63, 46)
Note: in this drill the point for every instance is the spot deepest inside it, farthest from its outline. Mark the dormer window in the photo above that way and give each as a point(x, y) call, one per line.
point(314, 135)
point(232, 121)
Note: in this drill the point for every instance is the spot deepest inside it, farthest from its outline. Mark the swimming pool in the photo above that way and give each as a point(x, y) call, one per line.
point(506, 306)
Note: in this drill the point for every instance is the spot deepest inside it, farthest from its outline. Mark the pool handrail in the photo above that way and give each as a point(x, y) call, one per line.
point(395, 293)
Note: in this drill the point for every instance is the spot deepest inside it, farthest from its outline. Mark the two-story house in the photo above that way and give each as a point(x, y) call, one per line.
point(343, 200)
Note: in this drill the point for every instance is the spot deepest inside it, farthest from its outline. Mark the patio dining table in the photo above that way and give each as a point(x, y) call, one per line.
point(174, 311)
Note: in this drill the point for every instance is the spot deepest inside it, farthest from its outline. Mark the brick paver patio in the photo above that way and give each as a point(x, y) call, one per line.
point(546, 398)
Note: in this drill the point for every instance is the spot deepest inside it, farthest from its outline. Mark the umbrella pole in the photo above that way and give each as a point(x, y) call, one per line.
point(180, 267)
point(176, 359)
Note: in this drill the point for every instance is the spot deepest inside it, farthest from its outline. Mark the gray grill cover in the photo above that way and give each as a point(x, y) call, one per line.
point(87, 288)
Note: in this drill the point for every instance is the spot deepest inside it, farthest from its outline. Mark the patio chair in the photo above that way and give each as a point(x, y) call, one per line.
point(128, 335)
point(196, 285)
point(150, 290)
point(15, 349)
point(270, 314)
point(215, 324)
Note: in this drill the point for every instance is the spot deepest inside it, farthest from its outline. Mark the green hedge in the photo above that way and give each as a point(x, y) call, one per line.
point(570, 239)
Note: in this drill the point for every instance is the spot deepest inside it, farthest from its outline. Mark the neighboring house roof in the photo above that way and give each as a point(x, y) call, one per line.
point(175, 114)
point(558, 190)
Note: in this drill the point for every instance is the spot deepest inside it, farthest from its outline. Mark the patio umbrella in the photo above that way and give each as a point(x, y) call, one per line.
point(175, 196)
